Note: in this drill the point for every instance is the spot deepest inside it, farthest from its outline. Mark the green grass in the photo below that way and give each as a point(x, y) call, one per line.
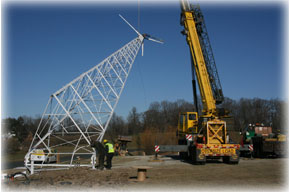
point(19, 155)
point(12, 157)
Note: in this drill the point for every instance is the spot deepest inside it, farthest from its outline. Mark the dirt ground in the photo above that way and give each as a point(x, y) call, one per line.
point(171, 174)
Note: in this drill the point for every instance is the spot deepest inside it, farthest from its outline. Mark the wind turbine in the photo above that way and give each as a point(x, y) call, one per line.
point(83, 107)
point(143, 36)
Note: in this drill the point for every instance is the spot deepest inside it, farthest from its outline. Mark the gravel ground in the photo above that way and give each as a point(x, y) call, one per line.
point(170, 174)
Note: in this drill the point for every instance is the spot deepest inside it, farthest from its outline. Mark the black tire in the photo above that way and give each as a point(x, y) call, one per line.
point(194, 156)
point(235, 161)
point(226, 159)
point(183, 155)
point(258, 146)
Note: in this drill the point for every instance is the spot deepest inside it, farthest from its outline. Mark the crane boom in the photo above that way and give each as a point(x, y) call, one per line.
point(208, 54)
point(203, 60)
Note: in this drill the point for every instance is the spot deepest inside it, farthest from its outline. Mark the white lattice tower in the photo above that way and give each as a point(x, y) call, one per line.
point(80, 111)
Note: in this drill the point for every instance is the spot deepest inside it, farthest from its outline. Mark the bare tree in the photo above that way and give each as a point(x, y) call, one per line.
point(134, 124)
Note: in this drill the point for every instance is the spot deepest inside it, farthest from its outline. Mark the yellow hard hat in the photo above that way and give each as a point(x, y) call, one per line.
point(105, 140)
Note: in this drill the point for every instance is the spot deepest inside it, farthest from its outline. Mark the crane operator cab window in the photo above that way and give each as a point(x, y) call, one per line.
point(182, 122)
point(192, 117)
point(188, 122)
point(192, 122)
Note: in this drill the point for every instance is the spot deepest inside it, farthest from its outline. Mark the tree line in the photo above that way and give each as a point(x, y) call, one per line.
point(159, 121)
point(161, 116)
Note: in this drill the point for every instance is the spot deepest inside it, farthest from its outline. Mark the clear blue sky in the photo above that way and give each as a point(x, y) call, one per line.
point(46, 47)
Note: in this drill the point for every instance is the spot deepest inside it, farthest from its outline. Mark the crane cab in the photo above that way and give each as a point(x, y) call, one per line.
point(188, 122)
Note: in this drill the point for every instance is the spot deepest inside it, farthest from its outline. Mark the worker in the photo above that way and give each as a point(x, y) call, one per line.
point(100, 152)
point(117, 149)
point(109, 153)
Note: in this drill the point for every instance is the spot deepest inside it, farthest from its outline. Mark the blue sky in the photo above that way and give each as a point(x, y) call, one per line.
point(47, 46)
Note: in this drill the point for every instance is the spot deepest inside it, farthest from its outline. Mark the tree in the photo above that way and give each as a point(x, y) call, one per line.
point(116, 127)
point(133, 120)
point(16, 126)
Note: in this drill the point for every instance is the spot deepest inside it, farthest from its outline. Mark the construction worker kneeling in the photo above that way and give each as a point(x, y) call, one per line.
point(109, 148)
point(100, 152)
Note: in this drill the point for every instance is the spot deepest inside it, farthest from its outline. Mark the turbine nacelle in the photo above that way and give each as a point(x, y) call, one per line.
point(143, 36)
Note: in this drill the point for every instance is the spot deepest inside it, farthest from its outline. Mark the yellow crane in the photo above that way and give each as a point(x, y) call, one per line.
point(205, 135)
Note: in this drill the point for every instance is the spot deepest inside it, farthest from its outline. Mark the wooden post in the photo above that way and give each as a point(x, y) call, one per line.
point(141, 172)
point(141, 176)
point(57, 158)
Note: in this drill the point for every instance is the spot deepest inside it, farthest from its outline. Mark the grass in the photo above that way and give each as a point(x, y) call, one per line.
point(19, 155)
point(12, 157)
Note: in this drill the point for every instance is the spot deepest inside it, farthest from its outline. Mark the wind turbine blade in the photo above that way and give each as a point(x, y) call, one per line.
point(142, 48)
point(157, 41)
point(129, 24)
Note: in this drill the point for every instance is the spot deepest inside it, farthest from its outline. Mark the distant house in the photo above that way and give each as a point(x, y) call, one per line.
point(8, 135)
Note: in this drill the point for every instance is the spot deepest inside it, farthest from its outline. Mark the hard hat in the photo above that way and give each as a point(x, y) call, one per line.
point(105, 140)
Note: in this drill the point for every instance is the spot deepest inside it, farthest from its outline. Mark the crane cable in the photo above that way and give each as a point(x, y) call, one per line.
point(138, 65)
point(138, 15)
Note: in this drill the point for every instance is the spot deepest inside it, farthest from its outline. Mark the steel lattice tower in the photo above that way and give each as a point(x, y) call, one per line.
point(80, 111)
